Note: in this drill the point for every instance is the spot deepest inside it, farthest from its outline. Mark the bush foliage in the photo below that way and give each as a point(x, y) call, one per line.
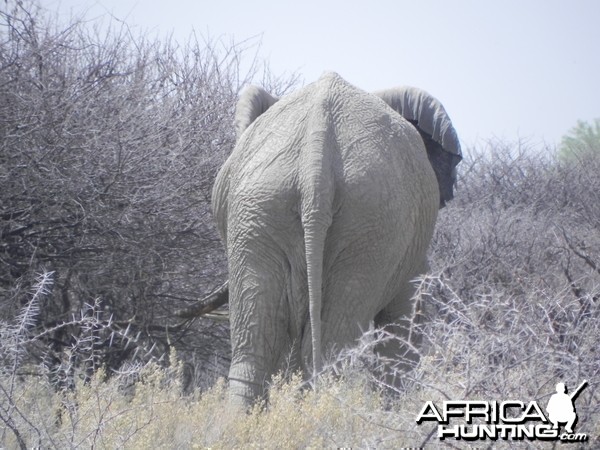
point(109, 147)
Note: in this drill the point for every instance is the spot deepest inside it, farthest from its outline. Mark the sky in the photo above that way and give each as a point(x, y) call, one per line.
point(511, 70)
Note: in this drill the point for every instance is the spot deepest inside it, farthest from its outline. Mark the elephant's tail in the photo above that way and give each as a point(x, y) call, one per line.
point(317, 188)
point(314, 241)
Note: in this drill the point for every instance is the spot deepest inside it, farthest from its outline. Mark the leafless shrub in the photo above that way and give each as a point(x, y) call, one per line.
point(517, 223)
point(109, 144)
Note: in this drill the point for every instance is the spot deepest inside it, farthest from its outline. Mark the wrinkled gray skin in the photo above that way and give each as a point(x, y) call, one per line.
point(326, 206)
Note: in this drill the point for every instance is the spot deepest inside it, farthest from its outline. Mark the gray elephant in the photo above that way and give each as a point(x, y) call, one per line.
point(326, 207)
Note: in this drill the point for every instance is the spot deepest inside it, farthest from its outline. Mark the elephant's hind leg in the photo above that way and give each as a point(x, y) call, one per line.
point(259, 324)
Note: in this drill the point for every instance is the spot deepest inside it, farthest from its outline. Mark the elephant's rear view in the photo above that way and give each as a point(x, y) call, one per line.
point(326, 207)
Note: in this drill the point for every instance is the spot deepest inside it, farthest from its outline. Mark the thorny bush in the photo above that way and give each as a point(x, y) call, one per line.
point(109, 144)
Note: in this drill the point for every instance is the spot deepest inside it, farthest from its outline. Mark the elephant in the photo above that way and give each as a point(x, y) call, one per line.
point(326, 207)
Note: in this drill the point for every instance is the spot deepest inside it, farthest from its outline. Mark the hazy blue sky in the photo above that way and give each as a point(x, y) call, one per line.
point(505, 69)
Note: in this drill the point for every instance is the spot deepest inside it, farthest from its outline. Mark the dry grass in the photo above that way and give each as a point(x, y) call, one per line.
point(492, 349)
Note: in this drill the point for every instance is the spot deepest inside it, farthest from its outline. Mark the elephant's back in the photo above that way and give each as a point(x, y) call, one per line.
point(364, 138)
point(375, 159)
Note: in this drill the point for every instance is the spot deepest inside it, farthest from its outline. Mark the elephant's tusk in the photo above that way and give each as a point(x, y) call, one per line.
point(218, 316)
point(208, 304)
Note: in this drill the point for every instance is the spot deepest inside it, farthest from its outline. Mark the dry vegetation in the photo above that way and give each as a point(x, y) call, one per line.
point(108, 148)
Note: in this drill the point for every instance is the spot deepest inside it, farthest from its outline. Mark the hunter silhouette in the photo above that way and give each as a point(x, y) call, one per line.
point(561, 408)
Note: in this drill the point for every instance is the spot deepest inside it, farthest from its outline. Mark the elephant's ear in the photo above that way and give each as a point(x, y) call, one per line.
point(253, 102)
point(428, 115)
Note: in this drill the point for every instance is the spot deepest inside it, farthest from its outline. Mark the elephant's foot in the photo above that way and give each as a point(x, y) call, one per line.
point(245, 388)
